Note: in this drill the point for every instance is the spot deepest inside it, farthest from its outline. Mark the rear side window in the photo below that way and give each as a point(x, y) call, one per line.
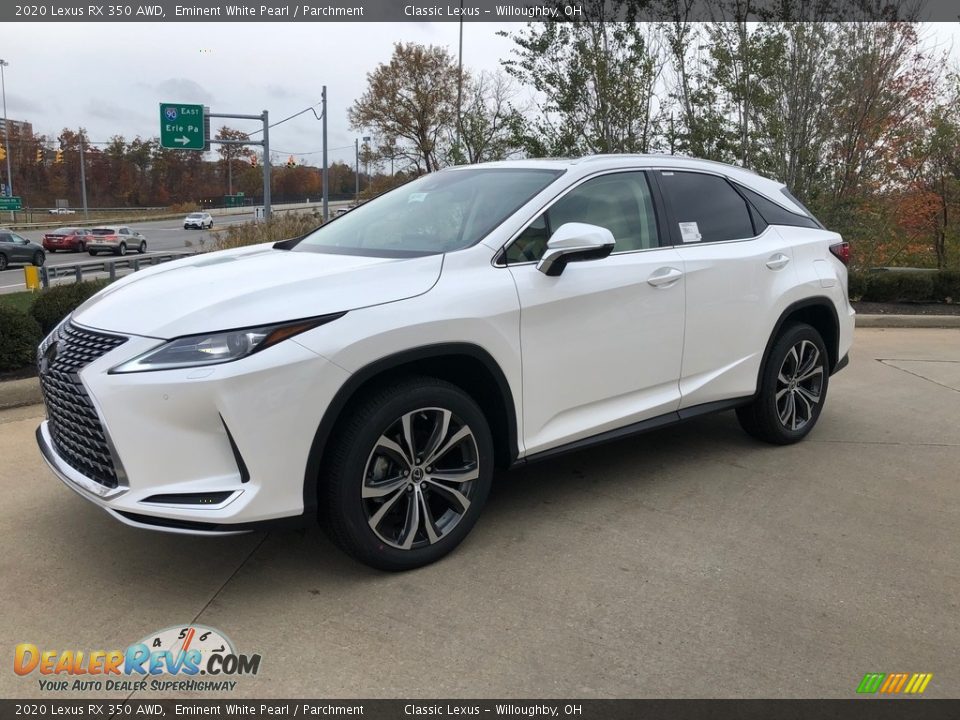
point(775, 214)
point(706, 207)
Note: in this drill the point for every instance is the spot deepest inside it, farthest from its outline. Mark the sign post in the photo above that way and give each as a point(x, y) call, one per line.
point(187, 127)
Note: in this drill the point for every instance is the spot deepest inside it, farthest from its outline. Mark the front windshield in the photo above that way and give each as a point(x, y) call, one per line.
point(438, 213)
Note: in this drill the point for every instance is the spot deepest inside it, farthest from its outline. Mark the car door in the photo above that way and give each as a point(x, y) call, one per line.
point(22, 251)
point(736, 267)
point(601, 342)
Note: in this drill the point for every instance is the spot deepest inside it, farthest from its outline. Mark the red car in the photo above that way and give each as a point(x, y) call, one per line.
point(66, 238)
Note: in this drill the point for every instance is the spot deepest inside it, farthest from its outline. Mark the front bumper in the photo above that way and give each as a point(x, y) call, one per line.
point(239, 433)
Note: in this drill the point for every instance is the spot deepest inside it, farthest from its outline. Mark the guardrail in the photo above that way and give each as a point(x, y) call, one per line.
point(110, 267)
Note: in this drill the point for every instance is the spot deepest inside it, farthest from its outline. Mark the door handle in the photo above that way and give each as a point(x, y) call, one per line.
point(777, 261)
point(665, 277)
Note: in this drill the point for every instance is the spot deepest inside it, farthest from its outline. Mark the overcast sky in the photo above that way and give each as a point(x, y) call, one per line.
point(110, 77)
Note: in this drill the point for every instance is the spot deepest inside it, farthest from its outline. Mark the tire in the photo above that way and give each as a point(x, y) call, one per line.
point(3, 262)
point(376, 529)
point(210, 225)
point(797, 371)
point(143, 247)
point(186, 227)
point(122, 250)
point(93, 252)
point(38, 259)
point(81, 247)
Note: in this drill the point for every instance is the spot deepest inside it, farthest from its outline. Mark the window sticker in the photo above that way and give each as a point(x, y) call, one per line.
point(689, 232)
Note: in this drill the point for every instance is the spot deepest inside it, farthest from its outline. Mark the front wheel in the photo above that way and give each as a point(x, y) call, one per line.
point(409, 470)
point(39, 258)
point(792, 390)
point(143, 247)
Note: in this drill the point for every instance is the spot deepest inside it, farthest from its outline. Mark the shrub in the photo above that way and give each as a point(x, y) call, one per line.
point(893, 286)
point(55, 303)
point(19, 336)
point(281, 226)
point(857, 284)
point(947, 286)
point(184, 208)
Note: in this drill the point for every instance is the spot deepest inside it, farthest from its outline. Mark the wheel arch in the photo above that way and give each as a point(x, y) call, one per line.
point(466, 365)
point(818, 312)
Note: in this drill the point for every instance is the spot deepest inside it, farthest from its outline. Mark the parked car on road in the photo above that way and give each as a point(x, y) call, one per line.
point(17, 250)
point(374, 372)
point(118, 239)
point(66, 238)
point(199, 220)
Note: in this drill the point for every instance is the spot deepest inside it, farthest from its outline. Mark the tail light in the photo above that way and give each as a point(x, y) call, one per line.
point(841, 251)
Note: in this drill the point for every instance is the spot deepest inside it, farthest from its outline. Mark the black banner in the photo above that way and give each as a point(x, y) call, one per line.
point(470, 10)
point(854, 709)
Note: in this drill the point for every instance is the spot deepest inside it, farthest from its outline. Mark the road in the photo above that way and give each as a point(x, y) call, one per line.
point(692, 561)
point(162, 236)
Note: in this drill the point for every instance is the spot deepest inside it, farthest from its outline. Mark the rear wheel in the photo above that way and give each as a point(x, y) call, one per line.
point(793, 388)
point(93, 252)
point(122, 250)
point(81, 247)
point(408, 472)
point(3, 261)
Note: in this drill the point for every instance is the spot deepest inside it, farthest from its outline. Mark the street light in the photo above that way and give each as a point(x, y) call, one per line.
point(6, 126)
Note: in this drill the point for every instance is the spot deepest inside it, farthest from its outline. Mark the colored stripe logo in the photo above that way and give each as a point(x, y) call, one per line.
point(894, 683)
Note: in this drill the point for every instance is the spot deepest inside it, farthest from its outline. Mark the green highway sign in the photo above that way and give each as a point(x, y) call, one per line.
point(10, 203)
point(181, 126)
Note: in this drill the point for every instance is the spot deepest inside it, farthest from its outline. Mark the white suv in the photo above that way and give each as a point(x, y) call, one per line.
point(377, 370)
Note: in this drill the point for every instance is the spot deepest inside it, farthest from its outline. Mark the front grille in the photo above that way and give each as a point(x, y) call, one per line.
point(73, 421)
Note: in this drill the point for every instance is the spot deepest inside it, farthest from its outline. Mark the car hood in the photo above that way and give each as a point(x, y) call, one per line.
point(251, 286)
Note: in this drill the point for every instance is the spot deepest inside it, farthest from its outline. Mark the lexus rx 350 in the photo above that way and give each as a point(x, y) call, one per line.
point(374, 372)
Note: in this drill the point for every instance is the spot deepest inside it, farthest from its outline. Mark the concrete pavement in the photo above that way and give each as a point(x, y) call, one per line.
point(692, 561)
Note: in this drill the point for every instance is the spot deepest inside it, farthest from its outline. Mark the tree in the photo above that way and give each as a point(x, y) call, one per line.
point(594, 81)
point(411, 102)
point(489, 123)
point(230, 153)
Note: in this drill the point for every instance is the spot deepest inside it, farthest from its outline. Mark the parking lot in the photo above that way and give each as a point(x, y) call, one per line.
point(692, 561)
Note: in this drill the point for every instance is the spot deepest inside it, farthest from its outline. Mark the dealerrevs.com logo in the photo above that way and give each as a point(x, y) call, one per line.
point(198, 658)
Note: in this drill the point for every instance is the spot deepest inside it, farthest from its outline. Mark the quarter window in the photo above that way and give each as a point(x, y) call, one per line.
point(620, 202)
point(706, 207)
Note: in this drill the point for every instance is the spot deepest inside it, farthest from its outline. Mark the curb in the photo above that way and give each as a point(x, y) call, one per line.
point(908, 321)
point(19, 393)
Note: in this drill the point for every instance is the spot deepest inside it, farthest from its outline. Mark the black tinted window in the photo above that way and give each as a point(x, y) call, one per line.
point(707, 207)
point(775, 214)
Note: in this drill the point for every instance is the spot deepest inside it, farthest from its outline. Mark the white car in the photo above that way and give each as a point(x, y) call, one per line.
point(199, 220)
point(377, 370)
point(62, 211)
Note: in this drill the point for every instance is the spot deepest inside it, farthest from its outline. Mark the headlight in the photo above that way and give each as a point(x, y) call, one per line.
point(219, 347)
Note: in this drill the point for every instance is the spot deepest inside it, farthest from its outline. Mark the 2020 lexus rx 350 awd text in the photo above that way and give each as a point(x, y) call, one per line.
point(374, 372)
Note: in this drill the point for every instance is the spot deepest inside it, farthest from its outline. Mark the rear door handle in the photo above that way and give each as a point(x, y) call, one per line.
point(777, 261)
point(665, 277)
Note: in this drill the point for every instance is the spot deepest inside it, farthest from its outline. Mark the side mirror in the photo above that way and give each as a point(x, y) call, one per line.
point(575, 242)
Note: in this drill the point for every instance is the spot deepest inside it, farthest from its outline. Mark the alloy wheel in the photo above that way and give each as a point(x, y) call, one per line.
point(799, 385)
point(419, 479)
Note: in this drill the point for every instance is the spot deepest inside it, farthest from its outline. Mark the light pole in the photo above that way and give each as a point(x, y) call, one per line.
point(366, 158)
point(6, 126)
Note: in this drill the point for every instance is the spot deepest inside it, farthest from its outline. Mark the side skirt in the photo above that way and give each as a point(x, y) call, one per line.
point(637, 428)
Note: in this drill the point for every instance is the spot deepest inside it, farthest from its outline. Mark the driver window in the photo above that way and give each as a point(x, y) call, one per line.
point(619, 202)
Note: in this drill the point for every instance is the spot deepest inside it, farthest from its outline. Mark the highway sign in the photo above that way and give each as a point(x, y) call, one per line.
point(182, 127)
point(10, 203)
